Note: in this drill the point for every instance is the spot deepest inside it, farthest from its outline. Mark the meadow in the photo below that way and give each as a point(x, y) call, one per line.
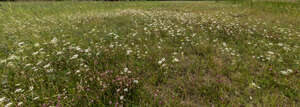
point(164, 54)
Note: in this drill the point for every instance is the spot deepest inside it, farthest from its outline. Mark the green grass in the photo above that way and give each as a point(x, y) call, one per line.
point(148, 54)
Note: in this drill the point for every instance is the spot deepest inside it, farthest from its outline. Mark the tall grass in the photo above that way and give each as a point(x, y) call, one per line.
point(147, 54)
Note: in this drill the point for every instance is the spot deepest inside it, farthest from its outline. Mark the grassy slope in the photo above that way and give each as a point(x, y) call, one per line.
point(227, 54)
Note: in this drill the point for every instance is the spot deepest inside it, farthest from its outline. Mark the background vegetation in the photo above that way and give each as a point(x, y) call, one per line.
point(149, 53)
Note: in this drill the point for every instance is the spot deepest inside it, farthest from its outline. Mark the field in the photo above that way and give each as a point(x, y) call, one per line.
point(133, 54)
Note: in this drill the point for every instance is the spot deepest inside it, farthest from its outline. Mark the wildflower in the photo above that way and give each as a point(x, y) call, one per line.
point(35, 53)
point(280, 44)
point(10, 64)
point(36, 44)
point(286, 72)
point(27, 65)
point(126, 89)
point(161, 61)
point(59, 53)
point(270, 52)
point(175, 60)
point(289, 70)
point(38, 63)
point(2, 99)
point(35, 98)
point(21, 44)
point(50, 70)
point(128, 52)
point(47, 66)
point(121, 97)
point(54, 40)
point(87, 50)
point(20, 103)
point(31, 88)
point(78, 48)
point(12, 57)
point(125, 69)
point(3, 61)
point(19, 90)
point(8, 104)
point(75, 56)
point(135, 81)
point(253, 84)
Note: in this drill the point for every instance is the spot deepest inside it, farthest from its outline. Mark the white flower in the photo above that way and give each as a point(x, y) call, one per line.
point(111, 46)
point(75, 56)
point(175, 60)
point(78, 48)
point(59, 53)
point(8, 104)
point(2, 99)
point(20, 103)
point(289, 70)
point(54, 40)
point(47, 66)
point(35, 98)
point(87, 50)
point(19, 90)
point(27, 65)
point(3, 61)
point(40, 62)
point(135, 81)
point(161, 61)
point(280, 44)
point(271, 44)
point(126, 89)
point(12, 57)
point(36, 44)
point(31, 88)
point(128, 52)
point(270, 52)
point(224, 44)
point(125, 69)
point(50, 70)
point(21, 43)
point(121, 97)
point(286, 72)
point(35, 53)
point(253, 84)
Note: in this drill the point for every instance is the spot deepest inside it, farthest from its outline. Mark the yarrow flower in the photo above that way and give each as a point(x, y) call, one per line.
point(47, 66)
point(286, 72)
point(59, 53)
point(128, 52)
point(253, 84)
point(54, 40)
point(8, 104)
point(2, 99)
point(75, 56)
point(175, 60)
point(121, 97)
point(161, 61)
point(19, 90)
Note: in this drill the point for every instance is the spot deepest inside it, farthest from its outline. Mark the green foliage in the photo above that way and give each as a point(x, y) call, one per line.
point(148, 54)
